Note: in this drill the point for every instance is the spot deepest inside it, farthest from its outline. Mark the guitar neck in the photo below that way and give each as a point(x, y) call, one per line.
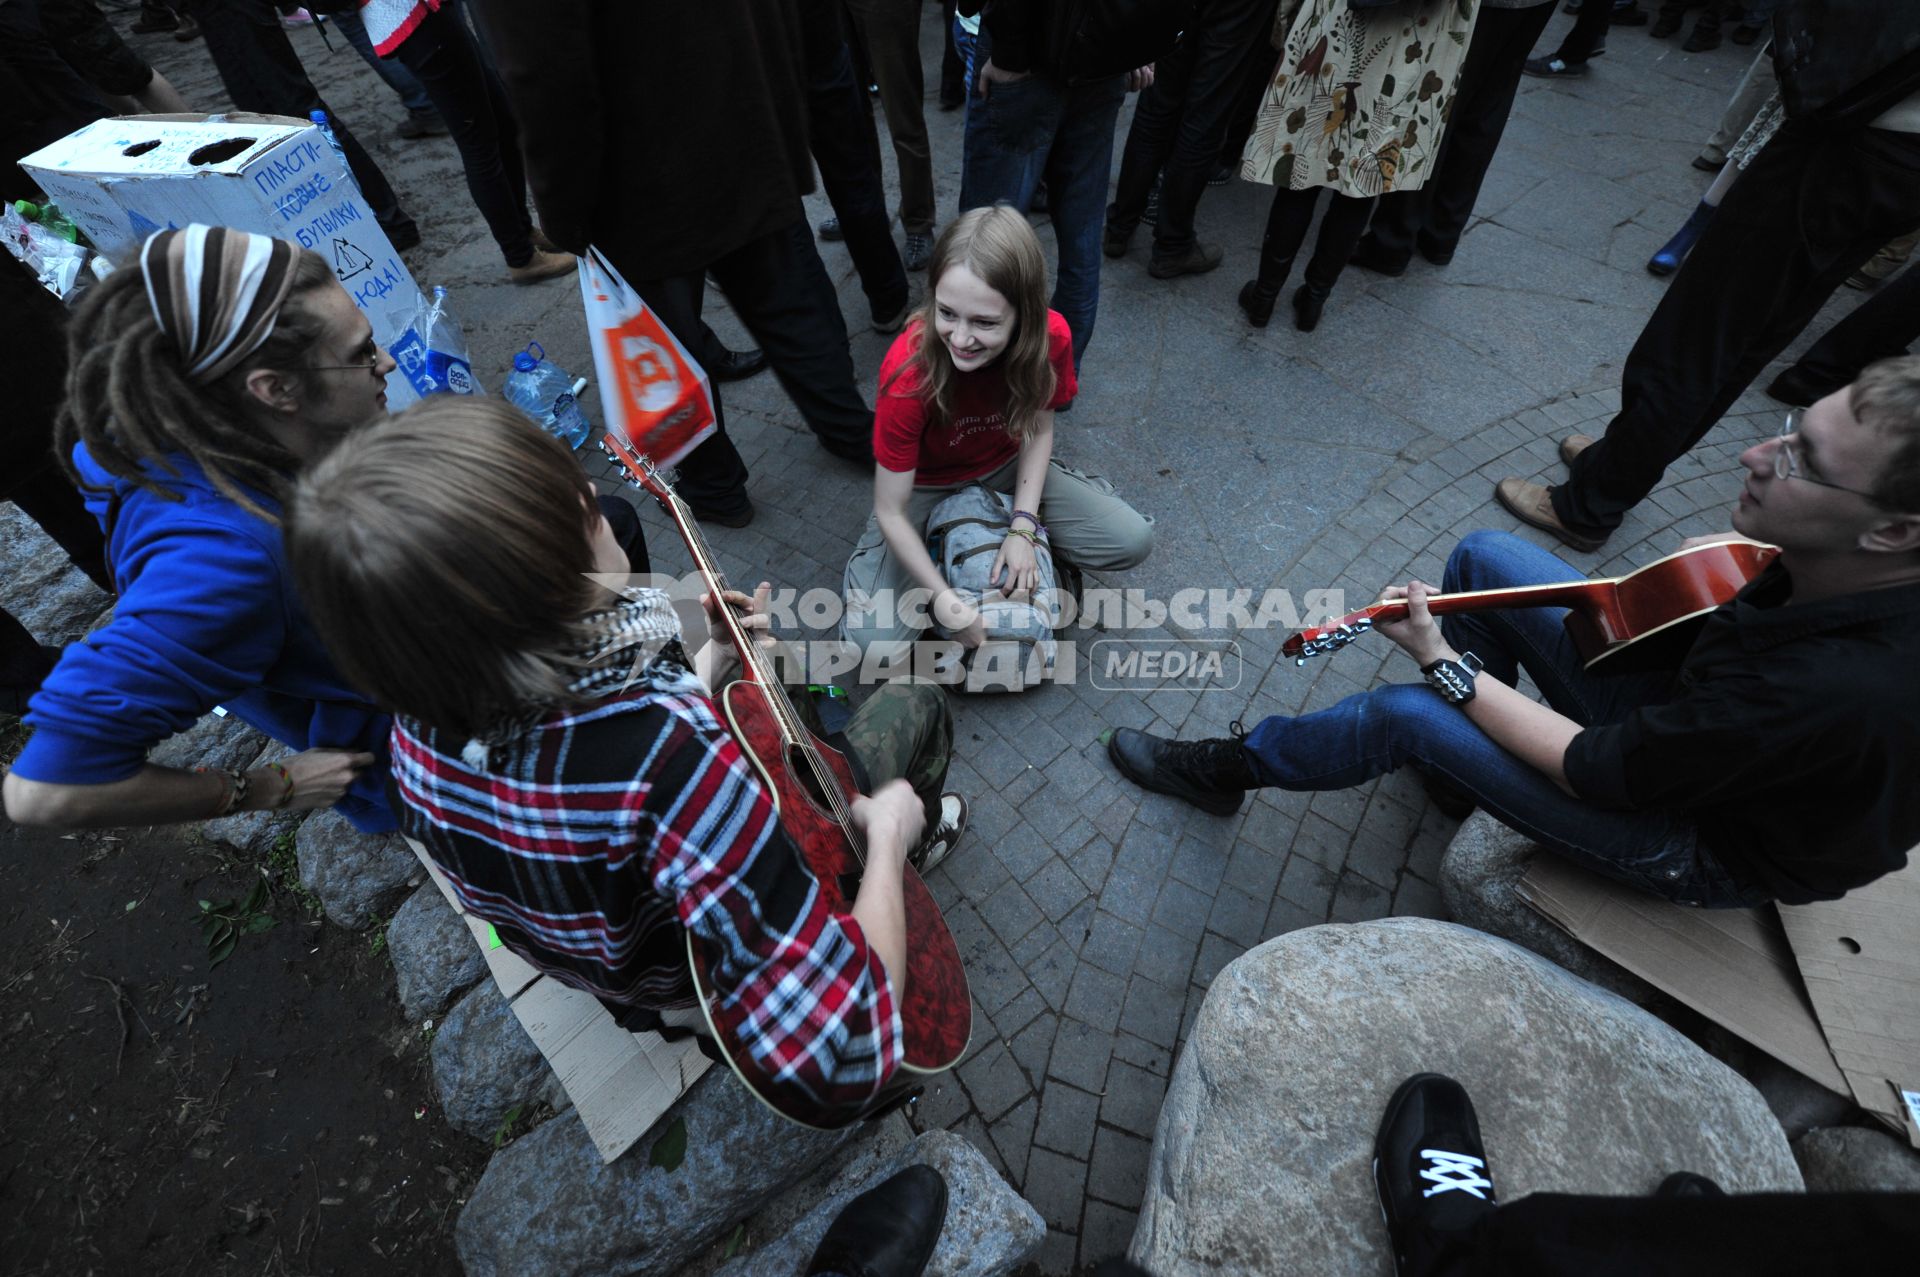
point(1556, 594)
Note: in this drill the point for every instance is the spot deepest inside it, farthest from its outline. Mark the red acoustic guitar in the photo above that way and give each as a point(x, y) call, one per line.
point(1641, 620)
point(813, 789)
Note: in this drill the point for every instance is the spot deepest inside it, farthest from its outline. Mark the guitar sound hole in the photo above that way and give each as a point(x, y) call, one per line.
point(809, 782)
point(849, 885)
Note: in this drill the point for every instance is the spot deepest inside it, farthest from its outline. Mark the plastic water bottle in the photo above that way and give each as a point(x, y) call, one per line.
point(320, 121)
point(545, 391)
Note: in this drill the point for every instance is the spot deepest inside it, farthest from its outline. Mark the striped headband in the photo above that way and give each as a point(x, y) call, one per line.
point(216, 292)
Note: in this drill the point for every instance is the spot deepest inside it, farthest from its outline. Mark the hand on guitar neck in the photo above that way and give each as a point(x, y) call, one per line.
point(717, 662)
point(892, 820)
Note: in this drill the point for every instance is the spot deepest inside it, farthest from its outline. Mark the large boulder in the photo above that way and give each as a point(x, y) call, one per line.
point(549, 1207)
point(485, 1066)
point(356, 876)
point(44, 591)
point(1854, 1159)
point(1480, 884)
point(434, 956)
point(217, 740)
point(989, 1229)
point(1261, 1160)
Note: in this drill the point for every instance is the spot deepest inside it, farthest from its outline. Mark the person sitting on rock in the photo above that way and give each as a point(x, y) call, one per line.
point(1776, 763)
point(202, 378)
point(968, 394)
point(561, 760)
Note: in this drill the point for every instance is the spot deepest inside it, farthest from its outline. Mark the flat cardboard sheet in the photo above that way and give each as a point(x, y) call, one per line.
point(1858, 1035)
point(620, 1082)
point(1860, 958)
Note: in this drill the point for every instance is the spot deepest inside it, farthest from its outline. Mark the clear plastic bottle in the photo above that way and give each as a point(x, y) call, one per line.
point(320, 121)
point(545, 391)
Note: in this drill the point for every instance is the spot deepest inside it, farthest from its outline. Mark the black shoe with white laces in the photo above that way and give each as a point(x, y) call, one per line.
point(1429, 1168)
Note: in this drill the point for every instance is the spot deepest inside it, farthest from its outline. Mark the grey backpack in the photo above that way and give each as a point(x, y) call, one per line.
point(964, 533)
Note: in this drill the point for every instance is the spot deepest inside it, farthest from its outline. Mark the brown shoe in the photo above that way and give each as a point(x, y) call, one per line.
point(1572, 446)
point(541, 244)
point(1532, 504)
point(542, 265)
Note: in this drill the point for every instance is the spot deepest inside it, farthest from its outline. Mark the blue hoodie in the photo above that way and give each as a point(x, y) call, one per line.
point(207, 616)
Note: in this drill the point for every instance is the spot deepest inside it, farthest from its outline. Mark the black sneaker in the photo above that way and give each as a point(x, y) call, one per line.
point(1688, 1184)
point(1429, 1166)
point(830, 231)
point(1198, 259)
point(1213, 775)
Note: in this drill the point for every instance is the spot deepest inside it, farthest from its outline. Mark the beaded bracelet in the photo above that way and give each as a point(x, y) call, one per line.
point(286, 781)
point(1028, 514)
point(237, 785)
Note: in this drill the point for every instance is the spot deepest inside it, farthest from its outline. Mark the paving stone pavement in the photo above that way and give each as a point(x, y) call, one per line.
point(1092, 916)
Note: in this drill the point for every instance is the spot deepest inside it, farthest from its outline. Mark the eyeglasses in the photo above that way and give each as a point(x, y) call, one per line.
point(1787, 464)
point(371, 367)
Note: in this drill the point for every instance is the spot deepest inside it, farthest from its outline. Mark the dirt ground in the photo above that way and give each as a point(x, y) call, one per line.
point(269, 1114)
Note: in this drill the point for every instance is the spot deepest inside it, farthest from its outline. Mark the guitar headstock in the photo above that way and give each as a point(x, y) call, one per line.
point(641, 472)
point(1327, 638)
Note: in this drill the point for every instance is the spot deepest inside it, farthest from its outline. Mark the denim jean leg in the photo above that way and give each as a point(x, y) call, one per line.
point(1007, 137)
point(412, 94)
point(1372, 733)
point(1536, 639)
point(1077, 171)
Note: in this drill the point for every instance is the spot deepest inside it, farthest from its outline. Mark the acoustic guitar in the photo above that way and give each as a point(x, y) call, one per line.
point(813, 788)
point(1646, 619)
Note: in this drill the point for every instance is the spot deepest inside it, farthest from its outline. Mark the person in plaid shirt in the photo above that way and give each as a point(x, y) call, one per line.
point(561, 761)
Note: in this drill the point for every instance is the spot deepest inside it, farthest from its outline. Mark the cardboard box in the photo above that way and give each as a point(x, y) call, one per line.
point(122, 179)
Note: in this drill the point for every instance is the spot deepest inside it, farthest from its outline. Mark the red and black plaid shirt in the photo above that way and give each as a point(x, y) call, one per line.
point(595, 839)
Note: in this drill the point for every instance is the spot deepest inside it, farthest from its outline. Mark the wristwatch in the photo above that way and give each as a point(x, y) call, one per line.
point(1453, 679)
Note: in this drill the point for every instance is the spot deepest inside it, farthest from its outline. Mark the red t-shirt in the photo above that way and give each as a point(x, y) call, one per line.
point(975, 443)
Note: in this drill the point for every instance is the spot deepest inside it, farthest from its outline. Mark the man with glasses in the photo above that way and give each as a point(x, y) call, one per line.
point(1776, 763)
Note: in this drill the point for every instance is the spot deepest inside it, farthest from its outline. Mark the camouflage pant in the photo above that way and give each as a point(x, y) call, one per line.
point(904, 731)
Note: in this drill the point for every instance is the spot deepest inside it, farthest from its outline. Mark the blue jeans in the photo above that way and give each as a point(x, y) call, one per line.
point(1036, 129)
point(1389, 727)
point(413, 95)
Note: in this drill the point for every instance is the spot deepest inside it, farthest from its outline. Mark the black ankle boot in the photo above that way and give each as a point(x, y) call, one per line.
point(888, 1231)
point(1213, 775)
point(1257, 300)
point(1307, 305)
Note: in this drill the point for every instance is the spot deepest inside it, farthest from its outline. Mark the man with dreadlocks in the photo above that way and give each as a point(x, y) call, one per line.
point(201, 382)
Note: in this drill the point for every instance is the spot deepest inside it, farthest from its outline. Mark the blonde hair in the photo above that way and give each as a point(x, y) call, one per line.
point(1886, 397)
point(441, 555)
point(1001, 250)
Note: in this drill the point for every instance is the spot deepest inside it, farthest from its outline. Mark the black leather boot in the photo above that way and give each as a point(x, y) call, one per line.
point(1307, 305)
point(1257, 300)
point(1213, 775)
point(888, 1231)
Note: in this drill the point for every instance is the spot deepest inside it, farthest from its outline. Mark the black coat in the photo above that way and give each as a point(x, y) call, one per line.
point(666, 132)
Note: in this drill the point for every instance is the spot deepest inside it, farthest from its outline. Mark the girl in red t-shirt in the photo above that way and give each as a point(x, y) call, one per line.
point(968, 394)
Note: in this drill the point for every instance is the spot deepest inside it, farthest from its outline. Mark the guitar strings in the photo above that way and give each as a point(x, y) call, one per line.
point(796, 732)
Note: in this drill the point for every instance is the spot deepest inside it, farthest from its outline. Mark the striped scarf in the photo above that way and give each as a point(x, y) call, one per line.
point(215, 292)
point(635, 640)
